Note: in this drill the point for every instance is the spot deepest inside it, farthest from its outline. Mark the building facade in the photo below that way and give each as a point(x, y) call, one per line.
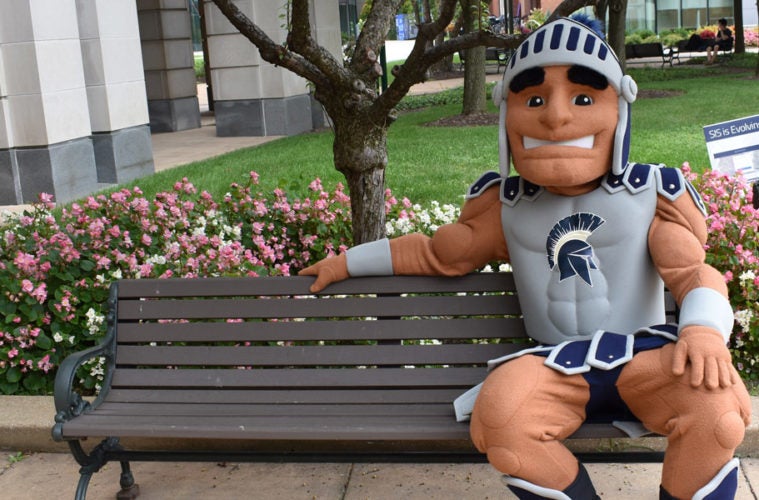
point(84, 83)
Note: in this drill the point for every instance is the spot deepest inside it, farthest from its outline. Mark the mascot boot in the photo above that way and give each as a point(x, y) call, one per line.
point(580, 489)
point(723, 486)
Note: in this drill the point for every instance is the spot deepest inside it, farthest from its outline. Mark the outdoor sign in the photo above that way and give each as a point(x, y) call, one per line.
point(402, 26)
point(733, 146)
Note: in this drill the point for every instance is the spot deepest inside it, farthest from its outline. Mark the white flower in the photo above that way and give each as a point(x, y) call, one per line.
point(747, 276)
point(116, 274)
point(743, 318)
point(58, 337)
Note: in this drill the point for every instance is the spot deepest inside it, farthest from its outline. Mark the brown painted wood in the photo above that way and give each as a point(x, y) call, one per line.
point(343, 365)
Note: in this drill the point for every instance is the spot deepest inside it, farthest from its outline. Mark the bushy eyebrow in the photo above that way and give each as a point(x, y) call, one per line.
point(531, 77)
point(581, 75)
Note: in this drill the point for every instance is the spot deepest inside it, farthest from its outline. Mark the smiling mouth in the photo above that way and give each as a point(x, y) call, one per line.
point(583, 142)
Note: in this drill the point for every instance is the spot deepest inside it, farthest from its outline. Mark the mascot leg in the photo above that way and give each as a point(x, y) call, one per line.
point(522, 413)
point(703, 427)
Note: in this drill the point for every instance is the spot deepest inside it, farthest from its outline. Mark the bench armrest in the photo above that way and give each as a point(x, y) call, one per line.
point(68, 402)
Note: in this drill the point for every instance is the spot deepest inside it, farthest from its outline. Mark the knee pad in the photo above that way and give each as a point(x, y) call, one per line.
point(505, 461)
point(729, 430)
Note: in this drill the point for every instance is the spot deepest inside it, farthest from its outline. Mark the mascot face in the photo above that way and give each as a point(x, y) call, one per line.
point(560, 124)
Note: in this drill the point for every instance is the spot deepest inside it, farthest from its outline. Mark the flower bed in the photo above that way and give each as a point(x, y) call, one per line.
point(732, 248)
point(55, 270)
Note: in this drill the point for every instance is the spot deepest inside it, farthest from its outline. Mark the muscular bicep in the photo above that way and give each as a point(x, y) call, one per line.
point(676, 242)
point(458, 248)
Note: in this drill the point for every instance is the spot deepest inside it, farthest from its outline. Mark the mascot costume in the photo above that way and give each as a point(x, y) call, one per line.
point(593, 239)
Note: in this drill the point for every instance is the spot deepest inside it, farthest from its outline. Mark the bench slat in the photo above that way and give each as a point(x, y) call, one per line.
point(284, 396)
point(343, 307)
point(264, 331)
point(267, 410)
point(300, 378)
point(329, 355)
point(279, 427)
point(298, 285)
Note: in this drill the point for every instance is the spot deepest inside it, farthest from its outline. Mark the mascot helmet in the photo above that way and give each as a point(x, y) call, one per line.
point(569, 42)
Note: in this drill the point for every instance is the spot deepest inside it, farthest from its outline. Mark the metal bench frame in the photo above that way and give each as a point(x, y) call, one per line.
point(259, 369)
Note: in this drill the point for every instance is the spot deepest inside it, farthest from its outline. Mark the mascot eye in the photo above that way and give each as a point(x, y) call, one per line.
point(535, 101)
point(582, 100)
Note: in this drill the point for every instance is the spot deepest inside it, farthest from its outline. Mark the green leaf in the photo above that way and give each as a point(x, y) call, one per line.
point(7, 388)
point(86, 265)
point(34, 382)
point(44, 342)
point(13, 374)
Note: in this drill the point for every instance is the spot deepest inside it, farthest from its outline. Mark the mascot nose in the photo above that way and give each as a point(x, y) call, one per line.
point(556, 113)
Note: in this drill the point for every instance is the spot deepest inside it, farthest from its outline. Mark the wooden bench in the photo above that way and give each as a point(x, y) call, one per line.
point(259, 369)
point(492, 55)
point(653, 49)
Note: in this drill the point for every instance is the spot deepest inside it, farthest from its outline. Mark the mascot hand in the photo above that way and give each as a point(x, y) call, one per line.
point(709, 358)
point(327, 271)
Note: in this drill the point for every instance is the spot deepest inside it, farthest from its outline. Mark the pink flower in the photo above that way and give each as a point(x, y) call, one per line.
point(27, 286)
point(40, 294)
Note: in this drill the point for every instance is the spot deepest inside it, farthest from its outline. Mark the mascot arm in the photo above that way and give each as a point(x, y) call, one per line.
point(676, 242)
point(455, 249)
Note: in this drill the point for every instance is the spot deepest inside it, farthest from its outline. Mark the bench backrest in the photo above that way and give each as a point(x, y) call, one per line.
point(652, 49)
point(182, 337)
point(382, 339)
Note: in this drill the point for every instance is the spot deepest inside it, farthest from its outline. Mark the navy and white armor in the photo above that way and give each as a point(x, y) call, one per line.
point(582, 265)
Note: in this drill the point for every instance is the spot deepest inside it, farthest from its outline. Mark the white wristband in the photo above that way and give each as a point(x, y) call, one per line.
point(370, 259)
point(706, 307)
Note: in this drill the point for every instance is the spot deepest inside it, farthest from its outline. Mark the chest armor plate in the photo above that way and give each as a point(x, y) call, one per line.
point(581, 263)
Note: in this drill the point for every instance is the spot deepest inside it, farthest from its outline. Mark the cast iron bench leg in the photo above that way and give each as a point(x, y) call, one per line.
point(129, 490)
point(84, 481)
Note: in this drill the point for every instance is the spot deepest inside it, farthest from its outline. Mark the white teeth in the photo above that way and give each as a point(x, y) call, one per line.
point(583, 142)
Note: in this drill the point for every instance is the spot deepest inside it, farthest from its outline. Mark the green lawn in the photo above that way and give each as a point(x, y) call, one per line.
point(427, 163)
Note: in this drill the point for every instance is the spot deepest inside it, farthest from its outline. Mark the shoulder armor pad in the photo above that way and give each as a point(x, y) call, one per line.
point(514, 189)
point(482, 184)
point(671, 184)
point(636, 178)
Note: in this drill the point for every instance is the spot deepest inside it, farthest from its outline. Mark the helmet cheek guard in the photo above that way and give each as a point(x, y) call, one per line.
point(568, 42)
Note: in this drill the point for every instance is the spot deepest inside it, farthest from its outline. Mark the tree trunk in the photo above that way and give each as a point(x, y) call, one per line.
point(616, 30)
point(474, 69)
point(474, 82)
point(360, 152)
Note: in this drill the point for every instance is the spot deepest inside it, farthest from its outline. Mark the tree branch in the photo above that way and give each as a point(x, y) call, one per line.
point(300, 41)
point(567, 7)
point(270, 51)
point(372, 37)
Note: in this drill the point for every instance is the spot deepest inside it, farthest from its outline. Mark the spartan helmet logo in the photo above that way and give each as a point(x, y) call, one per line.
point(568, 248)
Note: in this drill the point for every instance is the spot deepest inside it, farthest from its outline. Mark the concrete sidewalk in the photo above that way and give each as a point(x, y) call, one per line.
point(46, 471)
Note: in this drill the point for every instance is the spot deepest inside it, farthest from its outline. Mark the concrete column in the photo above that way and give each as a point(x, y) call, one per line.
point(115, 82)
point(251, 96)
point(169, 66)
point(45, 143)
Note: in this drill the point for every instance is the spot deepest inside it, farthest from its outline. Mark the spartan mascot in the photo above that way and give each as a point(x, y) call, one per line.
point(592, 240)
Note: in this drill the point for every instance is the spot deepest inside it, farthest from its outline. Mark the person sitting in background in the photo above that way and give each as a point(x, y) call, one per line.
point(723, 41)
